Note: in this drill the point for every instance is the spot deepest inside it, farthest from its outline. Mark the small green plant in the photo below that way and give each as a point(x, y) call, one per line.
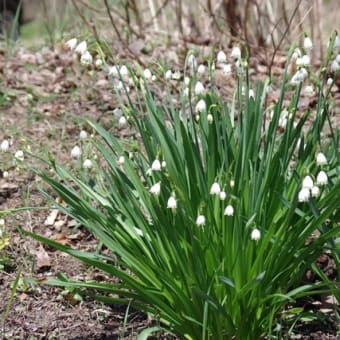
point(209, 208)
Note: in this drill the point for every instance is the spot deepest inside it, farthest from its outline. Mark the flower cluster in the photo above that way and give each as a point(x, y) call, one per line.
point(80, 50)
point(309, 188)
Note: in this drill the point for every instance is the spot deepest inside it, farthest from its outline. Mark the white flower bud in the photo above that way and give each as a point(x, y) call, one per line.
point(255, 235)
point(251, 93)
point(304, 195)
point(210, 118)
point(321, 159)
point(200, 221)
point(232, 183)
point(5, 174)
point(98, 63)
point(83, 134)
point(2, 223)
point(223, 195)
point(172, 203)
point(87, 164)
point(322, 178)
point(168, 74)
point(147, 74)
point(121, 160)
point(186, 81)
point(329, 81)
point(4, 145)
point(155, 189)
point(201, 69)
point(122, 122)
point(215, 189)
point(229, 210)
point(76, 152)
point(163, 164)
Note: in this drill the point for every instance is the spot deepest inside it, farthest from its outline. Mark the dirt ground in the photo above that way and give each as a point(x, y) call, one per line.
point(42, 95)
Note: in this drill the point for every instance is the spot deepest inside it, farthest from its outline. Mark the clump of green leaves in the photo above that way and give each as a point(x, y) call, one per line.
point(205, 271)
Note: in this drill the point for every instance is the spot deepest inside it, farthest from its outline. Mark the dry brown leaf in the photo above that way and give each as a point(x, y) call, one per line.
point(50, 220)
point(43, 259)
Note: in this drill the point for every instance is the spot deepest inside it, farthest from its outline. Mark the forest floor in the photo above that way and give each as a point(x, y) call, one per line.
point(43, 97)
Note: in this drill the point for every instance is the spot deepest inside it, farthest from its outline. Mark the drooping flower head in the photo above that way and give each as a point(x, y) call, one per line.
point(322, 178)
point(172, 203)
point(156, 165)
point(155, 189)
point(255, 234)
point(221, 57)
point(200, 221)
point(76, 152)
point(236, 53)
point(199, 88)
point(229, 210)
point(4, 145)
point(86, 58)
point(321, 159)
point(81, 48)
point(83, 134)
point(215, 189)
point(71, 44)
point(87, 164)
point(307, 182)
point(307, 43)
point(304, 195)
point(201, 106)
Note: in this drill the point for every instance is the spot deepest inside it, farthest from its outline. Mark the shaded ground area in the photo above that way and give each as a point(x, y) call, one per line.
point(42, 97)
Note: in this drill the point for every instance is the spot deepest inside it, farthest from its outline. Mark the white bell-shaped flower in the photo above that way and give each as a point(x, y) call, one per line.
point(229, 210)
point(321, 159)
point(172, 203)
point(215, 189)
point(322, 178)
point(155, 189)
point(304, 195)
point(200, 221)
